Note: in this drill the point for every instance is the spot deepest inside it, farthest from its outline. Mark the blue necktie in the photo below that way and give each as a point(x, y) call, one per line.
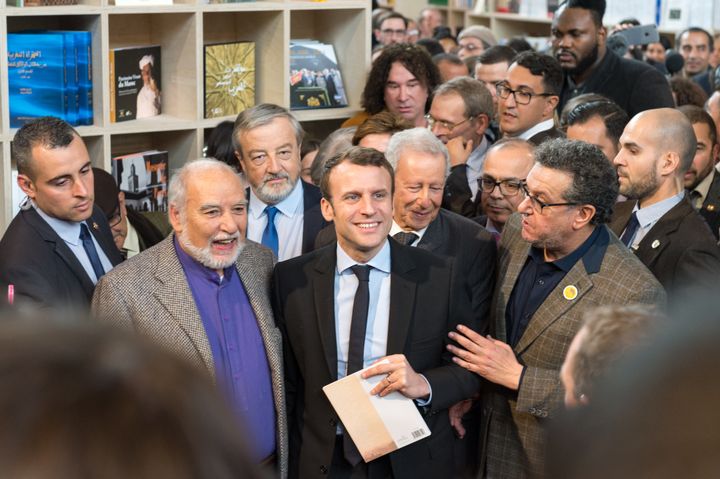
point(270, 235)
point(92, 253)
point(630, 230)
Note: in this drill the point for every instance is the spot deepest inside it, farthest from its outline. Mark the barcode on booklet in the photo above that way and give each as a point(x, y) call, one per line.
point(418, 433)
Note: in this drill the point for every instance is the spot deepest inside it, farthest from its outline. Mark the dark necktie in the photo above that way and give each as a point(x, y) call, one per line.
point(630, 230)
point(90, 250)
point(405, 238)
point(270, 235)
point(356, 346)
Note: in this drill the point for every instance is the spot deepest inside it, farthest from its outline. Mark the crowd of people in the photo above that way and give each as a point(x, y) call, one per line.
point(506, 237)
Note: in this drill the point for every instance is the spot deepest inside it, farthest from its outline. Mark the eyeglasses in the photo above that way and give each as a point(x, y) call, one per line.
point(445, 124)
point(470, 47)
point(115, 218)
point(539, 205)
point(389, 31)
point(507, 187)
point(521, 97)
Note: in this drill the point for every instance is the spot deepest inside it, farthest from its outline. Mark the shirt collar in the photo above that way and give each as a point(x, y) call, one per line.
point(380, 261)
point(193, 267)
point(395, 229)
point(132, 240)
point(704, 186)
point(68, 231)
point(475, 160)
point(491, 227)
point(585, 251)
point(542, 126)
point(288, 207)
point(650, 214)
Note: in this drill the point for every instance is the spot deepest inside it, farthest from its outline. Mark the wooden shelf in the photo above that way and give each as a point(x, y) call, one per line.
point(182, 30)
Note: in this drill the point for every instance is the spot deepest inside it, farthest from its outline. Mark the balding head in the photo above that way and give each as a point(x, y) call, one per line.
point(712, 106)
point(672, 133)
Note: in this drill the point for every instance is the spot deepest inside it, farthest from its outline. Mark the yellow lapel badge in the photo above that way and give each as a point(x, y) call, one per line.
point(570, 292)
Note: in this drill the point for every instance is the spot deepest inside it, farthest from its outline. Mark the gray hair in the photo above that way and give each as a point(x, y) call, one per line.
point(339, 141)
point(261, 115)
point(475, 96)
point(177, 189)
point(416, 139)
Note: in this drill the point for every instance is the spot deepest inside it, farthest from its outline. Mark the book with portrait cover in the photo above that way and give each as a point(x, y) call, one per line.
point(143, 177)
point(37, 76)
point(315, 77)
point(229, 78)
point(135, 83)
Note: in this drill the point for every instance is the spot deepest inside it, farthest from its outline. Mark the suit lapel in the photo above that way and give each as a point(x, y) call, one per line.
point(621, 217)
point(432, 239)
point(175, 295)
point(517, 259)
point(313, 220)
point(402, 298)
point(94, 224)
point(657, 238)
point(323, 286)
point(556, 304)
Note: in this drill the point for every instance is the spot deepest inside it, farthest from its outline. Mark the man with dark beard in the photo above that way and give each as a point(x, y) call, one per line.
point(203, 293)
point(658, 222)
point(579, 44)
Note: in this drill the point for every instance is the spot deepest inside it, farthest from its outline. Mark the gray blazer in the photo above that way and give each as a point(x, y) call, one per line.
point(149, 293)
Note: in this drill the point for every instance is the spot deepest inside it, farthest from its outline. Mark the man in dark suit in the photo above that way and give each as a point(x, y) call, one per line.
point(284, 211)
point(132, 232)
point(557, 260)
point(59, 245)
point(579, 43)
point(702, 181)
point(658, 222)
point(366, 298)
point(528, 97)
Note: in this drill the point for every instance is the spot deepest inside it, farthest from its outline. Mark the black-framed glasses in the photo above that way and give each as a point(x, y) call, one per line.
point(539, 205)
point(445, 124)
point(522, 97)
point(390, 31)
point(507, 187)
point(115, 218)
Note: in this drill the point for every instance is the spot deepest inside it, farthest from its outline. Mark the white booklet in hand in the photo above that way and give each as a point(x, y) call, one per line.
point(377, 425)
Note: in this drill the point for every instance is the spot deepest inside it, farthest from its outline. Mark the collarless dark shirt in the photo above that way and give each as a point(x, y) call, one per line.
point(538, 278)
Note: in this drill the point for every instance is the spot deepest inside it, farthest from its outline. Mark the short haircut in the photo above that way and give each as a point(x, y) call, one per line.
point(447, 57)
point(543, 65)
point(687, 92)
point(510, 142)
point(48, 131)
point(475, 96)
point(337, 142)
point(356, 155)
point(613, 117)
point(261, 115)
point(596, 8)
point(220, 144)
point(389, 16)
point(698, 115)
point(497, 54)
point(309, 145)
point(384, 122)
point(673, 132)
point(573, 102)
point(519, 44)
point(177, 189)
point(133, 408)
point(416, 139)
point(414, 58)
point(432, 46)
point(594, 180)
point(610, 332)
point(709, 37)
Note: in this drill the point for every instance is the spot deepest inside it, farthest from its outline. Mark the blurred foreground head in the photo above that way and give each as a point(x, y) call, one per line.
point(84, 401)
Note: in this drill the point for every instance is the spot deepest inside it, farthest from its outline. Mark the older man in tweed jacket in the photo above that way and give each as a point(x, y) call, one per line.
point(203, 293)
point(557, 259)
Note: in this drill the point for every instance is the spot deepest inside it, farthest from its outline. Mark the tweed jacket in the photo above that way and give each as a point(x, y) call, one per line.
point(515, 422)
point(679, 249)
point(149, 293)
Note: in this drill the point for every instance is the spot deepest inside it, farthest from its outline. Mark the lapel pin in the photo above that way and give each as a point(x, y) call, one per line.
point(95, 226)
point(570, 292)
point(710, 207)
point(655, 244)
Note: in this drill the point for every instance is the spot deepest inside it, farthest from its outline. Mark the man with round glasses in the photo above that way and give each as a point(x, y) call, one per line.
point(557, 259)
point(528, 97)
point(459, 115)
point(507, 164)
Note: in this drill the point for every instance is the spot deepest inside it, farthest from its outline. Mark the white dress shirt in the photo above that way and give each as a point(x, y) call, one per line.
point(288, 222)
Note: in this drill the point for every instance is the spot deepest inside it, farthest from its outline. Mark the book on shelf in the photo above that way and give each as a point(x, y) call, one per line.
point(140, 3)
point(143, 177)
point(315, 77)
point(229, 70)
point(135, 82)
point(39, 3)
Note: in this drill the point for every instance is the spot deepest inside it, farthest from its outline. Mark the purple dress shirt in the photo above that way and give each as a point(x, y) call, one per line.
point(241, 364)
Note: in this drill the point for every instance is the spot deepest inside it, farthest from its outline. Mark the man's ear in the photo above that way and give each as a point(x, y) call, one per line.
point(326, 209)
point(585, 215)
point(27, 185)
point(174, 218)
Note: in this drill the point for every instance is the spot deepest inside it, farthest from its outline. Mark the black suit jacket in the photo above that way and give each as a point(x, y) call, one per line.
point(546, 135)
point(42, 268)
point(424, 306)
point(679, 249)
point(313, 220)
point(634, 85)
point(711, 206)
